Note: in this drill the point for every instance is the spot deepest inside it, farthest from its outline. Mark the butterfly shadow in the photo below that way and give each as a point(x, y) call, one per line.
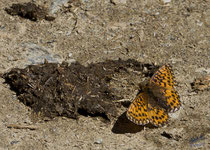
point(123, 125)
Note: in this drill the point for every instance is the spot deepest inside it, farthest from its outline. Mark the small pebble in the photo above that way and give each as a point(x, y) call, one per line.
point(98, 141)
point(14, 142)
point(166, 1)
point(119, 1)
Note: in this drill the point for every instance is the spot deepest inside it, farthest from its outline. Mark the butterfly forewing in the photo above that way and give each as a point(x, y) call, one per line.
point(162, 85)
point(164, 77)
point(137, 111)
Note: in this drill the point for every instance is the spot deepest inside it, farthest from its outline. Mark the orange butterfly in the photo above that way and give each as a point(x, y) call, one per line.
point(158, 98)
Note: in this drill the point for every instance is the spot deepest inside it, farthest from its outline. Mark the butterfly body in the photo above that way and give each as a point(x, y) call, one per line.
point(158, 98)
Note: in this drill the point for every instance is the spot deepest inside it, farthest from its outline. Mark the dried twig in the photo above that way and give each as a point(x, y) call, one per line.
point(17, 126)
point(121, 100)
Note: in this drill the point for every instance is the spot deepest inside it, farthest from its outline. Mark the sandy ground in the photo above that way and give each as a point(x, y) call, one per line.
point(88, 31)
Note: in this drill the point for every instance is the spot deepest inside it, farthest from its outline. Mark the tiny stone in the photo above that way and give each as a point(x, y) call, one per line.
point(166, 1)
point(145, 69)
point(14, 142)
point(98, 141)
point(70, 54)
point(119, 1)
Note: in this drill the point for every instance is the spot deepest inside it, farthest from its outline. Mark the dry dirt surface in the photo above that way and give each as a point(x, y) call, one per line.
point(130, 38)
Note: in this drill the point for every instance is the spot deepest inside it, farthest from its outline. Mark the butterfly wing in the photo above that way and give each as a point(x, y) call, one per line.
point(162, 85)
point(173, 101)
point(164, 77)
point(137, 111)
point(158, 116)
point(143, 110)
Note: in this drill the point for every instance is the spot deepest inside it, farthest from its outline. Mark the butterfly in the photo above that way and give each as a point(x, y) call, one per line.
point(155, 101)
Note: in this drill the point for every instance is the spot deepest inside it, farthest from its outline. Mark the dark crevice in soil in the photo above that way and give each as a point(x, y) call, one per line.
point(167, 135)
point(29, 11)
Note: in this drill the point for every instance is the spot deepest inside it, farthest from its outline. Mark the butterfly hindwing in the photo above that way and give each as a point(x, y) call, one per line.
point(142, 112)
point(158, 116)
point(172, 98)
